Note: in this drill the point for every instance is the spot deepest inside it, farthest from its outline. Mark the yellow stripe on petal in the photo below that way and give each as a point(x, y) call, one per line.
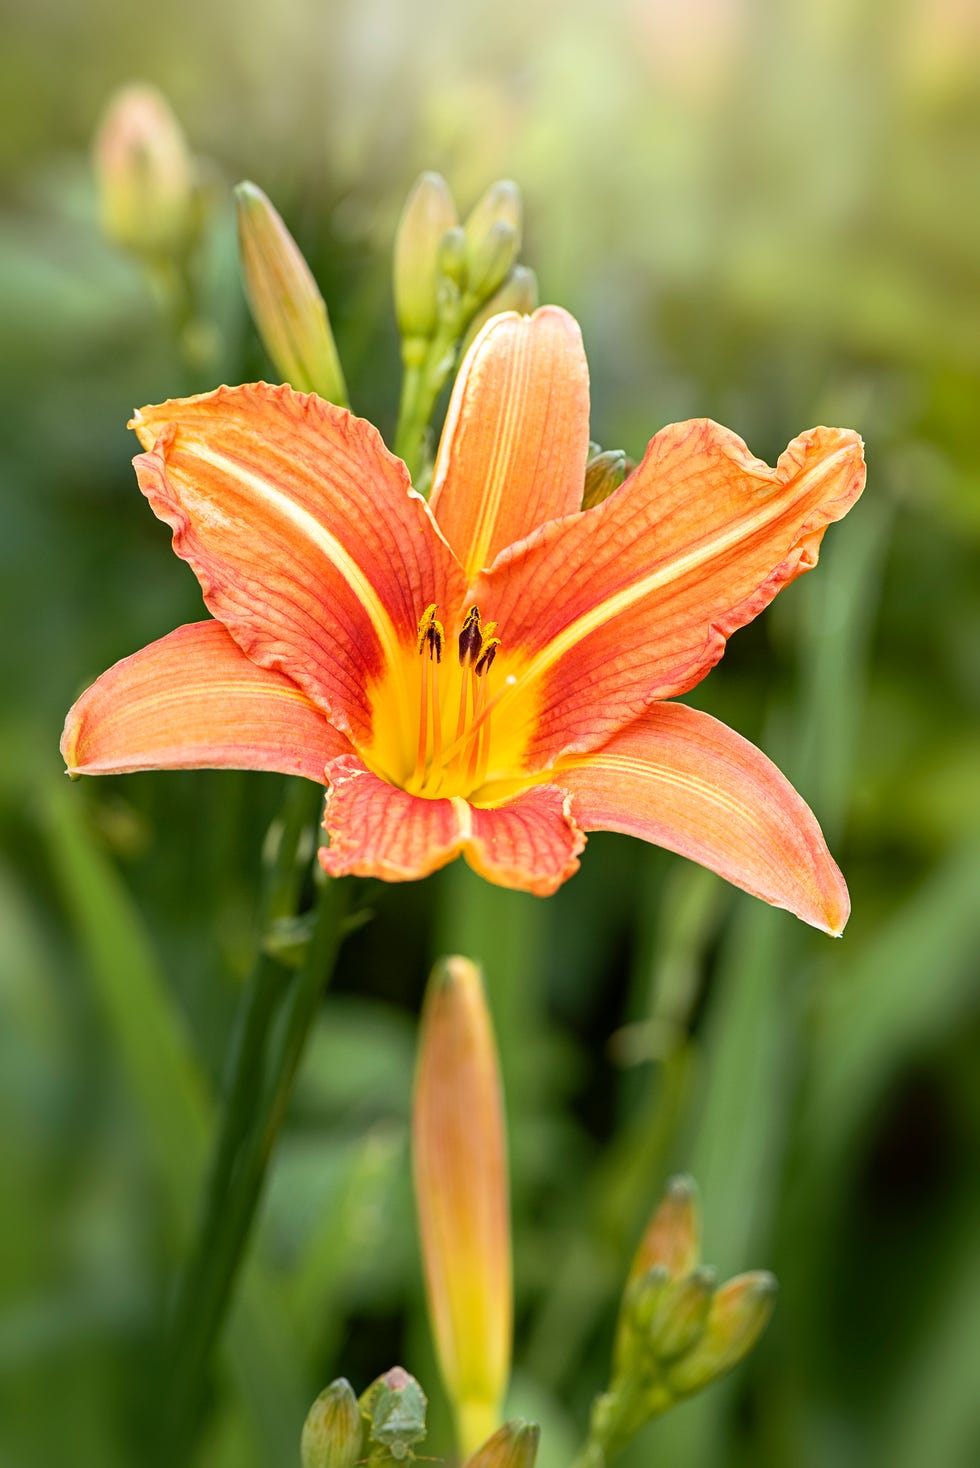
point(513, 450)
point(682, 780)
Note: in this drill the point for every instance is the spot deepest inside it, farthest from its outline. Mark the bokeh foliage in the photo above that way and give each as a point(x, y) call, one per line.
point(763, 213)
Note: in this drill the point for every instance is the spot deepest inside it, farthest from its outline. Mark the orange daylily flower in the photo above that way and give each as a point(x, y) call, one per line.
point(485, 674)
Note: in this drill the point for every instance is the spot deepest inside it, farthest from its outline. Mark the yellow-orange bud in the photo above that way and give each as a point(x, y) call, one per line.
point(673, 1236)
point(429, 214)
point(739, 1313)
point(145, 174)
point(515, 1445)
point(289, 312)
point(460, 1170)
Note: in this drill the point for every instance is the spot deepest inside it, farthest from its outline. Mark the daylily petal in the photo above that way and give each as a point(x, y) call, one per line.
point(303, 532)
point(683, 780)
point(193, 700)
point(513, 450)
point(379, 830)
point(633, 600)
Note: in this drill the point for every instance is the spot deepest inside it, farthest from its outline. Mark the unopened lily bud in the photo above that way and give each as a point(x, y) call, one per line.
point(145, 174)
point(490, 260)
point(332, 1432)
point(288, 310)
point(641, 1302)
point(740, 1312)
point(604, 473)
point(452, 256)
point(681, 1314)
point(501, 204)
point(393, 1413)
point(519, 292)
point(460, 1177)
point(428, 214)
point(515, 1445)
point(673, 1235)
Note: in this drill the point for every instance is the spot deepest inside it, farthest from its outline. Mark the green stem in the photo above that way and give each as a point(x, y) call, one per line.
point(265, 1059)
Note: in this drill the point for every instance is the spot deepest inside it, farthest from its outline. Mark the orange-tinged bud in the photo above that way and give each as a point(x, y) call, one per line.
point(673, 1235)
point(429, 213)
point(739, 1313)
point(519, 292)
point(460, 1170)
point(145, 174)
point(332, 1432)
point(515, 1445)
point(288, 310)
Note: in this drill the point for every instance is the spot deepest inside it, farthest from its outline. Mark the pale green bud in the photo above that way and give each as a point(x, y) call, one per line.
point(145, 174)
point(681, 1314)
point(515, 1445)
point(501, 204)
point(641, 1301)
point(429, 214)
point(604, 473)
point(332, 1432)
point(288, 310)
point(452, 256)
point(740, 1312)
point(490, 259)
point(519, 292)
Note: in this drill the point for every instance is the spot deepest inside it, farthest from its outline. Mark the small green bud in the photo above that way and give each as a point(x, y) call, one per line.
point(288, 310)
point(641, 1301)
point(452, 256)
point(740, 1312)
point(393, 1409)
point(519, 292)
point(604, 473)
point(145, 174)
point(429, 214)
point(489, 261)
point(515, 1445)
point(332, 1432)
point(681, 1315)
point(501, 204)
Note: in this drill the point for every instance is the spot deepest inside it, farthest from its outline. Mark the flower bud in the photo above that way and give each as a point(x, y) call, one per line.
point(393, 1412)
point(681, 1314)
point(145, 174)
point(500, 205)
point(332, 1432)
point(604, 473)
point(489, 261)
point(673, 1235)
point(428, 214)
point(287, 308)
point(519, 292)
point(739, 1313)
point(515, 1445)
point(461, 1196)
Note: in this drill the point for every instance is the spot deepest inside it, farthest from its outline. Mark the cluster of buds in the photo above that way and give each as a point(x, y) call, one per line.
point(677, 1331)
point(450, 277)
point(386, 1425)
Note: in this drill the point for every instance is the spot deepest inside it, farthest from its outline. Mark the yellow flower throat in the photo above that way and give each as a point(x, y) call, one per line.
point(458, 765)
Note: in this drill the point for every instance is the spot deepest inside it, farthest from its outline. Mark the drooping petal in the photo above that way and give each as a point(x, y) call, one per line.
point(379, 830)
point(303, 532)
point(683, 780)
point(193, 700)
point(633, 600)
point(513, 450)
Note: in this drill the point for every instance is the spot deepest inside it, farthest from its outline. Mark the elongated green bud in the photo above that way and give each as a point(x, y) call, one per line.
point(515, 1445)
point(332, 1432)
point(429, 214)
point(145, 174)
point(288, 310)
point(740, 1312)
point(519, 292)
point(501, 204)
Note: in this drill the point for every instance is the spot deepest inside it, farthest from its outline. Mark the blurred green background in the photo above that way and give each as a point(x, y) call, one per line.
point(763, 213)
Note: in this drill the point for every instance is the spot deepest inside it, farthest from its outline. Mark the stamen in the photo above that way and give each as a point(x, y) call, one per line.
point(470, 638)
point(509, 683)
point(432, 634)
point(485, 661)
point(423, 745)
point(436, 714)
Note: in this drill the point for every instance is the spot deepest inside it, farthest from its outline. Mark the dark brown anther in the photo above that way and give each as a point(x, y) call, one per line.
point(485, 660)
point(431, 634)
point(470, 638)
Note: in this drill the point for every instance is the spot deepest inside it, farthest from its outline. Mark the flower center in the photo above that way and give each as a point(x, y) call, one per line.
point(455, 707)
